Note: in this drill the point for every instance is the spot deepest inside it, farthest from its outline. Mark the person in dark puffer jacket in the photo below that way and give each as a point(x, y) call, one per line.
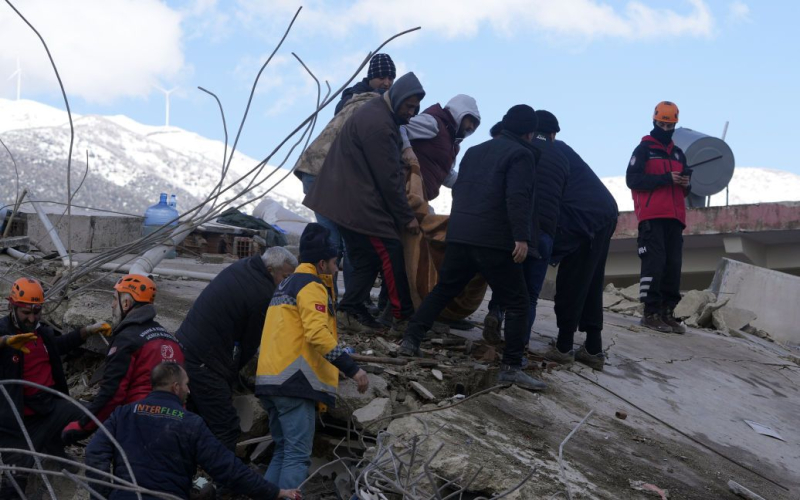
point(222, 332)
point(552, 171)
point(165, 443)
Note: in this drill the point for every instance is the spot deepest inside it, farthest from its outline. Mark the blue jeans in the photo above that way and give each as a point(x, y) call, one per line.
point(291, 423)
point(535, 271)
point(336, 237)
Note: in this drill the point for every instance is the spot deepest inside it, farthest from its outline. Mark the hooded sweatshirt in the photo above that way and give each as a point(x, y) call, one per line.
point(404, 87)
point(426, 134)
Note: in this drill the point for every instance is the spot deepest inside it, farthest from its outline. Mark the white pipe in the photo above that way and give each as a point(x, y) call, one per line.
point(28, 258)
point(146, 264)
point(65, 259)
point(128, 268)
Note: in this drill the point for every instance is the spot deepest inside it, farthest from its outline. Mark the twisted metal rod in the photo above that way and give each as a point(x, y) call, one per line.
point(74, 402)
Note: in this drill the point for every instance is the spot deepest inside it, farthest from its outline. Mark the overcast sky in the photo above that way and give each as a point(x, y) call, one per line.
point(600, 66)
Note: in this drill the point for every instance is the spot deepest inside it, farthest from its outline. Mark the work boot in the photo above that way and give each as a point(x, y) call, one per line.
point(398, 329)
point(553, 354)
point(593, 361)
point(668, 317)
point(491, 326)
point(358, 323)
point(409, 349)
point(440, 328)
point(653, 321)
point(514, 375)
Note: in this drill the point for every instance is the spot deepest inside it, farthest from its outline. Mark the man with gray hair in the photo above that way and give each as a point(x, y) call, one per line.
point(222, 332)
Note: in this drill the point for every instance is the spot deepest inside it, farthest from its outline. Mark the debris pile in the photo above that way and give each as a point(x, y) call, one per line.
point(697, 309)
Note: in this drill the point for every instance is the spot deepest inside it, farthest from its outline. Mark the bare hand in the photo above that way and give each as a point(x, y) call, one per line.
point(413, 226)
point(676, 177)
point(291, 494)
point(409, 156)
point(684, 180)
point(362, 380)
point(520, 251)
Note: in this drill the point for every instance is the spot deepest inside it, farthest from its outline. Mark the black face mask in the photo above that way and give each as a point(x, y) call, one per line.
point(661, 135)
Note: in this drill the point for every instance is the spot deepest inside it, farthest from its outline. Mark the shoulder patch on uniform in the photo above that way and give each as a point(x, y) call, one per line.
point(633, 160)
point(320, 307)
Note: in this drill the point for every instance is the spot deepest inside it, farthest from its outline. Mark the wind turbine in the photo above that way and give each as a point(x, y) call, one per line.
point(166, 95)
point(18, 74)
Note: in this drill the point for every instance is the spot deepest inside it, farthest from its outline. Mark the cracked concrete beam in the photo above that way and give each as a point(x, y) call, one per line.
point(746, 250)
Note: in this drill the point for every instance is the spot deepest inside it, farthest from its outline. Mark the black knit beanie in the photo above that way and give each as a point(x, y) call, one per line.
point(548, 123)
point(315, 244)
point(520, 120)
point(380, 66)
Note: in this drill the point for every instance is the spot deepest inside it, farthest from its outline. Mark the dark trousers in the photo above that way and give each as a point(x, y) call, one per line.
point(370, 255)
point(45, 433)
point(579, 291)
point(535, 271)
point(660, 244)
point(461, 263)
point(212, 398)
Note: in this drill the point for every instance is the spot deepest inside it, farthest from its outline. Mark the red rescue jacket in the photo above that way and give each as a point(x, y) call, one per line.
point(665, 201)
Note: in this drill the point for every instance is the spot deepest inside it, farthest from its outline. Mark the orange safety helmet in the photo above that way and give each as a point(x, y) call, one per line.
point(141, 288)
point(26, 291)
point(666, 112)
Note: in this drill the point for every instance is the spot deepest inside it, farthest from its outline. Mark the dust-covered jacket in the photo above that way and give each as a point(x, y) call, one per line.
point(310, 162)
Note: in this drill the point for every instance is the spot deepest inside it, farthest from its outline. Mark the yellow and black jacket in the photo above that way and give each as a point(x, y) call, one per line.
point(300, 356)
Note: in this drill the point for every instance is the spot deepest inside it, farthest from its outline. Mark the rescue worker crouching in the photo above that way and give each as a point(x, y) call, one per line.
point(31, 351)
point(139, 344)
point(300, 357)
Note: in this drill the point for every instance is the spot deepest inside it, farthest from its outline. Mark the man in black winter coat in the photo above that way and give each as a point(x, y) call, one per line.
point(552, 171)
point(489, 232)
point(222, 332)
point(32, 352)
point(586, 224)
point(165, 443)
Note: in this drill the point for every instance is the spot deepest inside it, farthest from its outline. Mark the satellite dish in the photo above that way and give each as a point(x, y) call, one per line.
point(711, 158)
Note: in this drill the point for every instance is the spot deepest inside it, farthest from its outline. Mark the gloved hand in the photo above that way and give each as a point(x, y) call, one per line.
point(18, 341)
point(73, 433)
point(102, 328)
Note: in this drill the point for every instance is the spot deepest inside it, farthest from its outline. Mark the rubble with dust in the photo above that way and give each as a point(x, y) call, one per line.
point(697, 309)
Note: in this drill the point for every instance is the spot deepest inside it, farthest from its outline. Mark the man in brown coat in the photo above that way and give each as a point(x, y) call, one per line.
point(361, 188)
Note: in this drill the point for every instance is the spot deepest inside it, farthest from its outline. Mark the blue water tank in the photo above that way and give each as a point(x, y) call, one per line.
point(159, 215)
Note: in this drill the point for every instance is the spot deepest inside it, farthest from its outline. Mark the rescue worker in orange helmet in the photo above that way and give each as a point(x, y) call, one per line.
point(139, 344)
point(659, 181)
point(31, 351)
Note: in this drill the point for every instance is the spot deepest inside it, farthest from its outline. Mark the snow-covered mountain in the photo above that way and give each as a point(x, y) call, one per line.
point(131, 163)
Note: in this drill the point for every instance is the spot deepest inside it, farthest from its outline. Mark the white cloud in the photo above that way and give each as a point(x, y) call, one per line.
point(580, 19)
point(104, 49)
point(738, 12)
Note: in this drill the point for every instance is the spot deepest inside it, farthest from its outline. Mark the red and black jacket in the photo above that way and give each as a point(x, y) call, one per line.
point(12, 364)
point(649, 176)
point(139, 344)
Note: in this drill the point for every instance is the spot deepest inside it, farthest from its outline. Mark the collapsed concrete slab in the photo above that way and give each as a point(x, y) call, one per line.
point(693, 302)
point(773, 296)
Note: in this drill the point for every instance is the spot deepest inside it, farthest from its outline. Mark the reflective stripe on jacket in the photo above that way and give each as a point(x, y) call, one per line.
point(300, 355)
